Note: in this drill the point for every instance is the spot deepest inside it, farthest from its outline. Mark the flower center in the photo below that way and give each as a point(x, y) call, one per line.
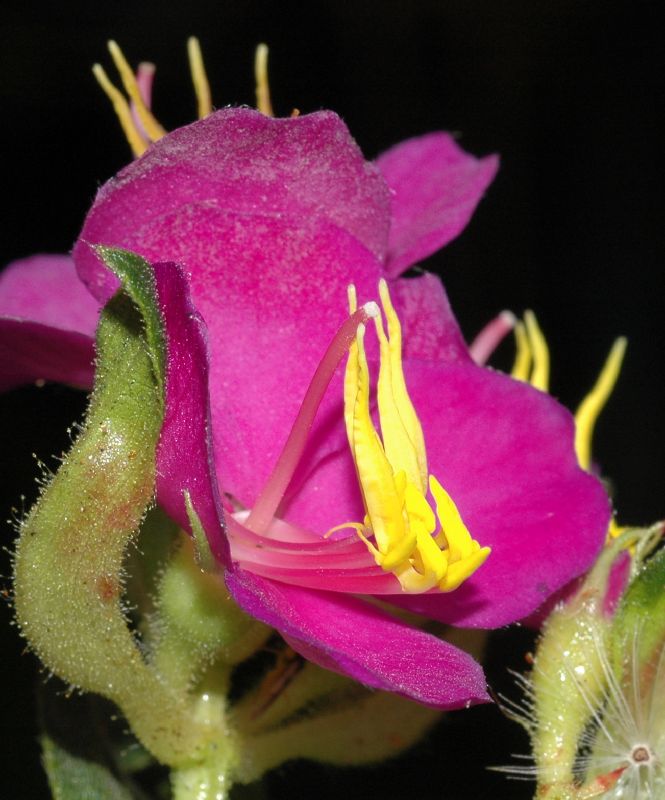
point(641, 755)
point(393, 475)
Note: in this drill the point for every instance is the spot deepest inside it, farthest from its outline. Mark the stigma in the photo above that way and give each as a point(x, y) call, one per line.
point(425, 547)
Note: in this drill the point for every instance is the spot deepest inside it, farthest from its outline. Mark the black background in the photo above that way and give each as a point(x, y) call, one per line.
point(569, 92)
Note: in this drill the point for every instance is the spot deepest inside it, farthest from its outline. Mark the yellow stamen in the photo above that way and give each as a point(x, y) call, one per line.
point(615, 530)
point(263, 103)
point(590, 408)
point(390, 473)
point(398, 446)
point(199, 77)
point(540, 376)
point(379, 484)
point(122, 110)
point(465, 555)
point(153, 129)
point(401, 397)
point(522, 365)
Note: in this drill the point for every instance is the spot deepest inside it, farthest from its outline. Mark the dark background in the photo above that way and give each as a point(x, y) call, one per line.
point(569, 92)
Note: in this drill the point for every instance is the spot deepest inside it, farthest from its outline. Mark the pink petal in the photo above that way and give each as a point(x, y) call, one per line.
point(429, 327)
point(308, 168)
point(349, 636)
point(504, 451)
point(46, 289)
point(33, 352)
point(272, 294)
point(184, 452)
point(48, 324)
point(436, 187)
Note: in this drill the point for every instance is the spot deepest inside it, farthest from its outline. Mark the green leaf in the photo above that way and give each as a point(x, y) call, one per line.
point(84, 747)
point(73, 778)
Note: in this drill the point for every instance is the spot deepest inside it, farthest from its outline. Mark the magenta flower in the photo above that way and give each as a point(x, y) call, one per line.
point(270, 220)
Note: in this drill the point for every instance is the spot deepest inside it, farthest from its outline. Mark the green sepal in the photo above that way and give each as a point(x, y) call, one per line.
point(69, 578)
point(202, 552)
point(638, 631)
point(138, 282)
point(68, 566)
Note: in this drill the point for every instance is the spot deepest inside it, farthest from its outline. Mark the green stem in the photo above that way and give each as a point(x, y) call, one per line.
point(210, 778)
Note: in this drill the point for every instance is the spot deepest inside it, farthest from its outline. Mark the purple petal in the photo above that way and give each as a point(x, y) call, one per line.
point(349, 636)
point(435, 188)
point(272, 295)
point(48, 323)
point(504, 451)
point(429, 327)
point(47, 290)
point(184, 452)
point(33, 352)
point(307, 168)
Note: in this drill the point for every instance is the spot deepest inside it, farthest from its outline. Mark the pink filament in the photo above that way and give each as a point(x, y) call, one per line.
point(145, 75)
point(266, 505)
point(491, 336)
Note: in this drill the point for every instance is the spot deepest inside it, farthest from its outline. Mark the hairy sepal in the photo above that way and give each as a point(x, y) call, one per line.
point(68, 576)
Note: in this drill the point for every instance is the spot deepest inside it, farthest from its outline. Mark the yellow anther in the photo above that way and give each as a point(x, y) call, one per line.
point(199, 77)
point(394, 489)
point(458, 572)
point(398, 446)
point(379, 484)
point(263, 103)
point(615, 530)
point(153, 129)
point(540, 375)
point(465, 555)
point(122, 110)
point(402, 401)
point(522, 365)
point(590, 408)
